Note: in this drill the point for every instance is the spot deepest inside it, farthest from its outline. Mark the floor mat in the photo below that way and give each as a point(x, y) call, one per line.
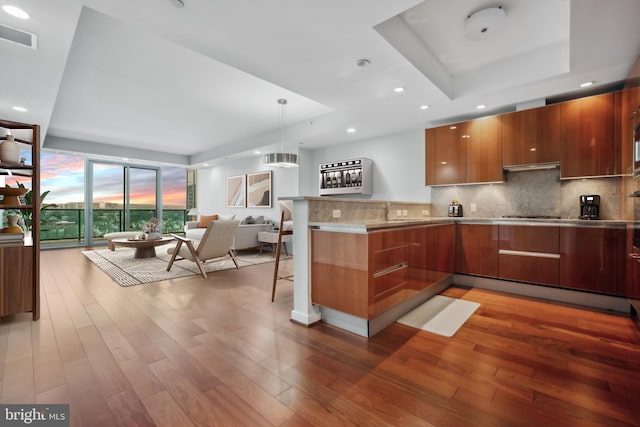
point(440, 315)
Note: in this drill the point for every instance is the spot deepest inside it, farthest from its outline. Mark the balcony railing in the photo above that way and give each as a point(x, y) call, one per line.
point(67, 225)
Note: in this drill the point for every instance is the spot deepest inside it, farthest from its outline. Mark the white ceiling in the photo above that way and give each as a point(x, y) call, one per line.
point(201, 83)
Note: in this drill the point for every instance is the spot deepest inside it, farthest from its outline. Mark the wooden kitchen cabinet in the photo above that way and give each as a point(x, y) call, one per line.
point(592, 258)
point(484, 150)
point(529, 254)
point(467, 152)
point(365, 274)
point(359, 274)
point(477, 249)
point(431, 255)
point(587, 136)
point(446, 155)
point(531, 136)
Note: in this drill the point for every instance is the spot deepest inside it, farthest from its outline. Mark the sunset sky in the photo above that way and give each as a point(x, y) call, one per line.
point(63, 175)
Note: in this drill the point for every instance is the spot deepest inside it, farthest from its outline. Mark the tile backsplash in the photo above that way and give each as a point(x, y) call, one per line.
point(536, 192)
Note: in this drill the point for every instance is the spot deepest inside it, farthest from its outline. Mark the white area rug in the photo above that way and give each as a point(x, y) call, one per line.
point(440, 315)
point(126, 270)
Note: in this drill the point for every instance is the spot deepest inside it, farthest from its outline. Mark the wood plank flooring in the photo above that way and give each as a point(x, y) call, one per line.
point(217, 352)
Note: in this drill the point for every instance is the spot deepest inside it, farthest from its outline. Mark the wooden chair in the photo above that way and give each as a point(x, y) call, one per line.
point(285, 215)
point(215, 244)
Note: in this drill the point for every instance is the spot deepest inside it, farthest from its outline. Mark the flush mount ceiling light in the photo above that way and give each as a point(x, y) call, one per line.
point(177, 3)
point(281, 159)
point(15, 11)
point(484, 22)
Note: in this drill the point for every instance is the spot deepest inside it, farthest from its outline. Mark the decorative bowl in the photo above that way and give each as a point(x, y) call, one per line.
point(11, 195)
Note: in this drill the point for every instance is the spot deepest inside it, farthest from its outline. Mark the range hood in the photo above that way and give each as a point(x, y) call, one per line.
point(530, 167)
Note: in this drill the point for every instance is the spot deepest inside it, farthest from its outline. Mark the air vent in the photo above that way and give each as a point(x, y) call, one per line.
point(14, 35)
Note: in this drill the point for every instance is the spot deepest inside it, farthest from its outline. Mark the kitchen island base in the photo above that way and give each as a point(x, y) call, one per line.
point(369, 327)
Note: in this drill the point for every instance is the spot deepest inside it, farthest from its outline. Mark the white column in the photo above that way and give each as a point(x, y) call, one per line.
point(303, 311)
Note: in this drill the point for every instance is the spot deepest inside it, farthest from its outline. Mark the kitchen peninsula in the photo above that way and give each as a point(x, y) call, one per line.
point(361, 264)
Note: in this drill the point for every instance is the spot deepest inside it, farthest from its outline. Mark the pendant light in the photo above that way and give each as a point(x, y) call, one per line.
point(281, 159)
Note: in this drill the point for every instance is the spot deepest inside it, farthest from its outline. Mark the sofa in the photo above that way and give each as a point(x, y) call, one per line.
point(246, 236)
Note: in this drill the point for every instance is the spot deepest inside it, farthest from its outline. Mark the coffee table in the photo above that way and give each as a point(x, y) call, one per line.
point(144, 248)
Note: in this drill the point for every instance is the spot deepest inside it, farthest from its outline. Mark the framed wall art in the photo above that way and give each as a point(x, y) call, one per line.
point(259, 189)
point(236, 191)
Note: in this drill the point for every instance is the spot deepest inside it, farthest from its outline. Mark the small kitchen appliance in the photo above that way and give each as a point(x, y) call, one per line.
point(455, 209)
point(590, 206)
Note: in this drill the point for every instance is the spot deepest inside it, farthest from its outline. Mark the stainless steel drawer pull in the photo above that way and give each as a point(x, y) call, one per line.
point(530, 254)
point(390, 269)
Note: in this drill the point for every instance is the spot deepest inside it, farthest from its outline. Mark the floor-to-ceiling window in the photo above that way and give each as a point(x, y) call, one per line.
point(119, 197)
point(123, 197)
point(174, 199)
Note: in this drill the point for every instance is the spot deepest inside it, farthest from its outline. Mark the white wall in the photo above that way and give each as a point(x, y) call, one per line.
point(398, 166)
point(398, 174)
point(212, 187)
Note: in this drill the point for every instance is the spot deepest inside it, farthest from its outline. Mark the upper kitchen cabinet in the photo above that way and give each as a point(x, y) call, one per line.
point(464, 153)
point(446, 155)
point(531, 136)
point(484, 150)
point(587, 137)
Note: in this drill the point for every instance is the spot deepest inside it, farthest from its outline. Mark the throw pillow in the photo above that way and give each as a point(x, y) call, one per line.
point(259, 219)
point(206, 219)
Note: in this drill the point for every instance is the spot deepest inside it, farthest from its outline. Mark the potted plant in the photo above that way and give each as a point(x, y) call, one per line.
point(28, 199)
point(152, 228)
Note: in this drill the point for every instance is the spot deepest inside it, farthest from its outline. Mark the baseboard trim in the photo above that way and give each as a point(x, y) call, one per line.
point(585, 299)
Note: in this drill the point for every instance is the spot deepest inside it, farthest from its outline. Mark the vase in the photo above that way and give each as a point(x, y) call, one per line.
point(9, 151)
point(154, 235)
point(12, 222)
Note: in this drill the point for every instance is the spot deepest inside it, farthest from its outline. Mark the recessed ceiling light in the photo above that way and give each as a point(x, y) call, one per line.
point(205, 164)
point(15, 11)
point(177, 3)
point(21, 109)
point(481, 106)
point(125, 159)
point(363, 62)
point(424, 107)
point(256, 152)
point(587, 84)
point(399, 89)
point(351, 130)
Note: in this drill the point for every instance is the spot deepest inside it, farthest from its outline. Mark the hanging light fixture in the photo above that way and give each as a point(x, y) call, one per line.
point(281, 159)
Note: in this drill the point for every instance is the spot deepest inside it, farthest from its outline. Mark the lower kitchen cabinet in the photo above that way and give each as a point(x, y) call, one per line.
point(431, 255)
point(592, 259)
point(477, 249)
point(529, 254)
point(365, 274)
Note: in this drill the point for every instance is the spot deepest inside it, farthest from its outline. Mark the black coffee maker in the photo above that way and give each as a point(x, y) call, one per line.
point(590, 206)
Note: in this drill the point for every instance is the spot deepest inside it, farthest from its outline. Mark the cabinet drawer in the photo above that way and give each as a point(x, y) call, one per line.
point(530, 238)
point(389, 257)
point(394, 277)
point(530, 268)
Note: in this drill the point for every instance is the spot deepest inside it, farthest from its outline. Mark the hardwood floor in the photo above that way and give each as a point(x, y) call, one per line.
point(216, 351)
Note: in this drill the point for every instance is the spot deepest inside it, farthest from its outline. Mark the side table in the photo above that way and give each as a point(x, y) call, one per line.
point(271, 238)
